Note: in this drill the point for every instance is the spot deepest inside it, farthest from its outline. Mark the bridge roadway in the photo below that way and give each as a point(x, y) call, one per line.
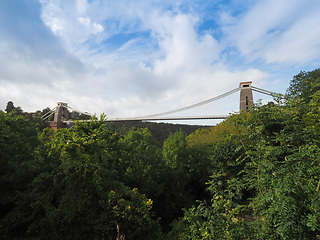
point(166, 118)
point(161, 118)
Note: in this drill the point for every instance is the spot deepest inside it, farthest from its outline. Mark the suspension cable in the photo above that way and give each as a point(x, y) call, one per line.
point(260, 90)
point(44, 116)
point(194, 105)
point(52, 112)
point(269, 94)
point(263, 91)
point(84, 113)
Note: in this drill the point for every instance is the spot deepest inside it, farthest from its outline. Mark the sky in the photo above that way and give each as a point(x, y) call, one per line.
point(129, 58)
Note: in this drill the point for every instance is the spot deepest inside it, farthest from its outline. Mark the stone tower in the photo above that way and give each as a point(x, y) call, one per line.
point(61, 113)
point(246, 98)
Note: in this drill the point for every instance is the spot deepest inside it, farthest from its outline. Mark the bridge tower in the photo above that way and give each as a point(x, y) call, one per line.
point(61, 114)
point(246, 98)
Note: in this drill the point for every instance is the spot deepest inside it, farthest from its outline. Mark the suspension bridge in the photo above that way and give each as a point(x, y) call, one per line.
point(246, 99)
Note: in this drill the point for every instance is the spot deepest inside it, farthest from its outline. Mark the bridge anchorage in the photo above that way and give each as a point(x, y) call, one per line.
point(246, 99)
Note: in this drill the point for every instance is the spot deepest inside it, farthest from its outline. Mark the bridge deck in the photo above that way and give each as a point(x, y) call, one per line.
point(162, 118)
point(167, 118)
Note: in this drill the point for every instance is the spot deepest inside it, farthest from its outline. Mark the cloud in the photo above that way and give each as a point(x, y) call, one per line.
point(276, 31)
point(183, 48)
point(92, 27)
point(300, 43)
point(29, 52)
point(69, 20)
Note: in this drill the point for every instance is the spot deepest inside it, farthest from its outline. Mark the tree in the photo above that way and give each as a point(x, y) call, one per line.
point(181, 180)
point(304, 85)
point(18, 144)
point(218, 218)
point(78, 193)
point(9, 107)
point(140, 163)
point(265, 179)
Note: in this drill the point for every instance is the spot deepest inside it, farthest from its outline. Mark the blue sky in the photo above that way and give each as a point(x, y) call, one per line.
point(130, 58)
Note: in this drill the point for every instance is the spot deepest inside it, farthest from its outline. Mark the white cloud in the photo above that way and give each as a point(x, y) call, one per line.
point(183, 48)
point(69, 20)
point(300, 43)
point(91, 27)
point(285, 31)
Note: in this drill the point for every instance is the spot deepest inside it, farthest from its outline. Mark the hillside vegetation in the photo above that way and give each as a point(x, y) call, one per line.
point(254, 176)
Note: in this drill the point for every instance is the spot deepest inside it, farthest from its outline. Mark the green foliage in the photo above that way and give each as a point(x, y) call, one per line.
point(176, 151)
point(88, 177)
point(77, 193)
point(140, 163)
point(160, 131)
point(10, 108)
point(18, 139)
point(188, 170)
point(304, 85)
point(265, 178)
point(212, 222)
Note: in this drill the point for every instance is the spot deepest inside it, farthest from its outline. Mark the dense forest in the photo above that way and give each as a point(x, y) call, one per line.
point(254, 176)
